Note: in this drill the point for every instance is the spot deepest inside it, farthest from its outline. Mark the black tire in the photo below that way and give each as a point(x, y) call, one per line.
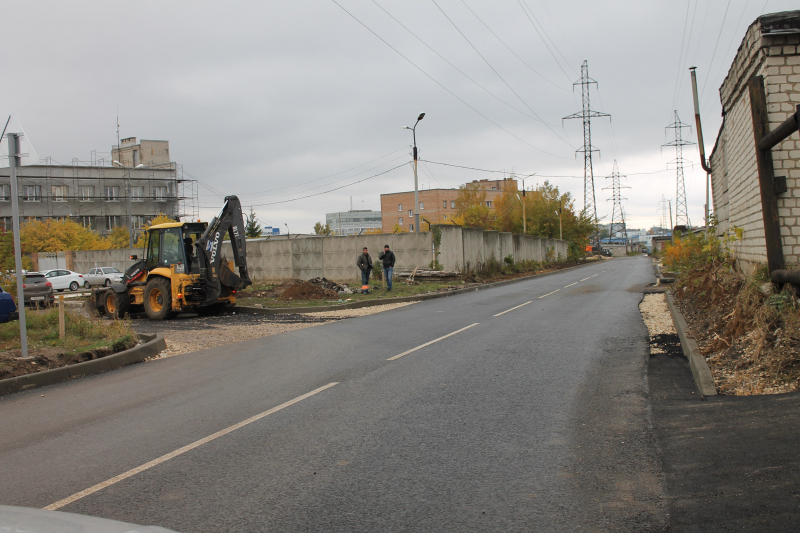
point(86, 285)
point(117, 305)
point(107, 283)
point(158, 298)
point(73, 286)
point(209, 310)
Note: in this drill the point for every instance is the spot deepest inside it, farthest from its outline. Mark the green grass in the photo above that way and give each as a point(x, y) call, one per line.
point(82, 334)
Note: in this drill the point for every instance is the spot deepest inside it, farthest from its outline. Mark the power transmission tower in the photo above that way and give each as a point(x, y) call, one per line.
point(617, 217)
point(586, 115)
point(681, 212)
point(663, 209)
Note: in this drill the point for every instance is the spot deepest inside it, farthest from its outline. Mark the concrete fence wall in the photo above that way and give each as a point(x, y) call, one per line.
point(334, 257)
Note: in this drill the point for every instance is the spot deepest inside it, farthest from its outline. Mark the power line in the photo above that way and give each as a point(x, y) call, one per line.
point(510, 50)
point(680, 54)
point(728, 51)
point(566, 61)
point(455, 67)
point(445, 88)
point(713, 55)
point(543, 39)
point(533, 173)
point(497, 73)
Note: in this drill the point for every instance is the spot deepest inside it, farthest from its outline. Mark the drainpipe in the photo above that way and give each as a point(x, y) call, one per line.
point(703, 162)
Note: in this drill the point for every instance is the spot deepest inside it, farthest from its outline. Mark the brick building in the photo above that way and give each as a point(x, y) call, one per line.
point(437, 206)
point(770, 49)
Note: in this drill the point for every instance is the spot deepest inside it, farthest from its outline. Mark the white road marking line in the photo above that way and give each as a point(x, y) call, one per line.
point(584, 279)
point(398, 356)
point(549, 293)
point(571, 284)
point(594, 275)
point(100, 486)
point(517, 307)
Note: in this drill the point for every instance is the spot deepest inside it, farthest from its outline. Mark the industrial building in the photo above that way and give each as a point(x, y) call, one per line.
point(353, 222)
point(138, 183)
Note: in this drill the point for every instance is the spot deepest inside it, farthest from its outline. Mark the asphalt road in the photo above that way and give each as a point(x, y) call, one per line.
point(519, 418)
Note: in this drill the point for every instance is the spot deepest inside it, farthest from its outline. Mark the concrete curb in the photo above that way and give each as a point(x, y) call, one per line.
point(152, 346)
point(702, 374)
point(385, 301)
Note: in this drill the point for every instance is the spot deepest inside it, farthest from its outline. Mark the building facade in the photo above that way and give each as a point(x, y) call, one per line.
point(769, 49)
point(353, 222)
point(436, 206)
point(98, 197)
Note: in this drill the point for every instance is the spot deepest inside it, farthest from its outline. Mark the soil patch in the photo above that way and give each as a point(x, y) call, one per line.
point(12, 364)
point(307, 291)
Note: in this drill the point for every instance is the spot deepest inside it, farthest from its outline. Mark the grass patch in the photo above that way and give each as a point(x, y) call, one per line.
point(82, 333)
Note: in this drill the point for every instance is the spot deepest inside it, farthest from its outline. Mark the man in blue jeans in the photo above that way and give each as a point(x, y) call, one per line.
point(364, 264)
point(387, 256)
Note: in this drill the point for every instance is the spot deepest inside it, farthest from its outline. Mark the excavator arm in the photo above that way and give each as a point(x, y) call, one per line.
point(213, 266)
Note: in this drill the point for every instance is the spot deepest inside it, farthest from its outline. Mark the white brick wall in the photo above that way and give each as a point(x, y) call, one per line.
point(734, 180)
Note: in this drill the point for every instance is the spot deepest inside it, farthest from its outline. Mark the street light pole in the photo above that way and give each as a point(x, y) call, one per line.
point(416, 182)
point(560, 232)
point(13, 163)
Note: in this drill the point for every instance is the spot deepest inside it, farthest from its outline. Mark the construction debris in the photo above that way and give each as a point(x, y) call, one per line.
point(328, 284)
point(307, 291)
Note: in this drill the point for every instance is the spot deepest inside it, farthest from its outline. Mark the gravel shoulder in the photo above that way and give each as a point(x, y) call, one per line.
point(190, 333)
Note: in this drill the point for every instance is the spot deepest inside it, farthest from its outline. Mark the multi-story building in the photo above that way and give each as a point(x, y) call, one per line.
point(102, 197)
point(353, 222)
point(436, 206)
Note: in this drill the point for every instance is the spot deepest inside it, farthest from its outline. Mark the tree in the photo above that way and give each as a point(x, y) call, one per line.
point(471, 208)
point(319, 229)
point(119, 238)
point(54, 235)
point(252, 228)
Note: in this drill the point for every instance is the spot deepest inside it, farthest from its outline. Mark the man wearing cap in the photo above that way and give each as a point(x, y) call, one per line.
point(364, 263)
point(387, 256)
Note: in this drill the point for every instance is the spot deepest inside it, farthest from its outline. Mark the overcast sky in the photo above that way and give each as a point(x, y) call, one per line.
point(277, 101)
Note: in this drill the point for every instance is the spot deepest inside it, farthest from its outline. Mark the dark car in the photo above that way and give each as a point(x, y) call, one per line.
point(8, 308)
point(37, 290)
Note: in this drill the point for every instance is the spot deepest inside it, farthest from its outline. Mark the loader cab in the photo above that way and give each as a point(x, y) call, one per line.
point(173, 244)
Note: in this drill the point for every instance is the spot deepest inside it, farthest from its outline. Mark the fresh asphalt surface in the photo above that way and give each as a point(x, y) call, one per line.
point(533, 420)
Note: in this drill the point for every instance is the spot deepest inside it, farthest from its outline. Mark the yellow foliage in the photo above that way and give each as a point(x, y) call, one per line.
point(160, 219)
point(374, 231)
point(54, 235)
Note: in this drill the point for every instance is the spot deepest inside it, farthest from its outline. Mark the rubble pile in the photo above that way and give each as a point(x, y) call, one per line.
point(328, 284)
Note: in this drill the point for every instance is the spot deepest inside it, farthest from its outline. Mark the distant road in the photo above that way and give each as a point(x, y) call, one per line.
point(520, 408)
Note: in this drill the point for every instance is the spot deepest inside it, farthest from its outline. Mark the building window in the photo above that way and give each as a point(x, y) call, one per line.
point(444, 204)
point(400, 221)
point(138, 221)
point(494, 188)
point(112, 194)
point(160, 194)
point(112, 222)
point(422, 205)
point(60, 193)
point(87, 193)
point(32, 193)
point(399, 207)
point(411, 227)
point(89, 223)
point(5, 223)
point(452, 204)
point(5, 193)
point(411, 212)
point(445, 217)
point(137, 194)
point(488, 203)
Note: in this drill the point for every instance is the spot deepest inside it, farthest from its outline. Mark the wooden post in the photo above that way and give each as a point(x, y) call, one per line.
point(769, 201)
point(61, 327)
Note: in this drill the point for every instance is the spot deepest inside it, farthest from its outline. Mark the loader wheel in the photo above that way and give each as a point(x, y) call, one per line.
point(158, 298)
point(116, 305)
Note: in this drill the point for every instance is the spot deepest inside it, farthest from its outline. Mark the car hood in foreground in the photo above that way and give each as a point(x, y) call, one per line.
point(39, 521)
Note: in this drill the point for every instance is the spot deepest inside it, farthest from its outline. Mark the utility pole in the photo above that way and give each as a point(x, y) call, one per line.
point(617, 218)
point(703, 162)
point(524, 219)
point(130, 212)
point(416, 182)
point(681, 213)
point(586, 115)
point(13, 163)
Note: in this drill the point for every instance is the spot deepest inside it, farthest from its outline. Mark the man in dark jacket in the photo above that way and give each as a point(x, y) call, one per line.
point(364, 263)
point(387, 256)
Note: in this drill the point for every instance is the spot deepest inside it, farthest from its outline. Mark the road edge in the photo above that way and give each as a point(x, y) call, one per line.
point(385, 301)
point(700, 370)
point(152, 346)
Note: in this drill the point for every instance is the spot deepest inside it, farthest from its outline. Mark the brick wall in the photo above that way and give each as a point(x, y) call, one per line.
point(734, 181)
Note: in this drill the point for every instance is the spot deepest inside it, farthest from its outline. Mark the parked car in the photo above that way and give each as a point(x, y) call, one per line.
point(37, 290)
point(8, 308)
point(65, 279)
point(103, 276)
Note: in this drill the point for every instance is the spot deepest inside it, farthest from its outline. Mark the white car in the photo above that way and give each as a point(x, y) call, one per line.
point(65, 279)
point(104, 276)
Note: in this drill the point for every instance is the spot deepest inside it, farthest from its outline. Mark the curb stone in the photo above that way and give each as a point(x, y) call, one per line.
point(152, 345)
point(702, 374)
point(385, 301)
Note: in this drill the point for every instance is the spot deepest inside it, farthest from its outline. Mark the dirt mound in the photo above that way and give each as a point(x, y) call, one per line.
point(307, 291)
point(277, 290)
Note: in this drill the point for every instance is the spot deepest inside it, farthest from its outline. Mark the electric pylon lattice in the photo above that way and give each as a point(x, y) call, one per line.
point(681, 211)
point(617, 229)
point(586, 114)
